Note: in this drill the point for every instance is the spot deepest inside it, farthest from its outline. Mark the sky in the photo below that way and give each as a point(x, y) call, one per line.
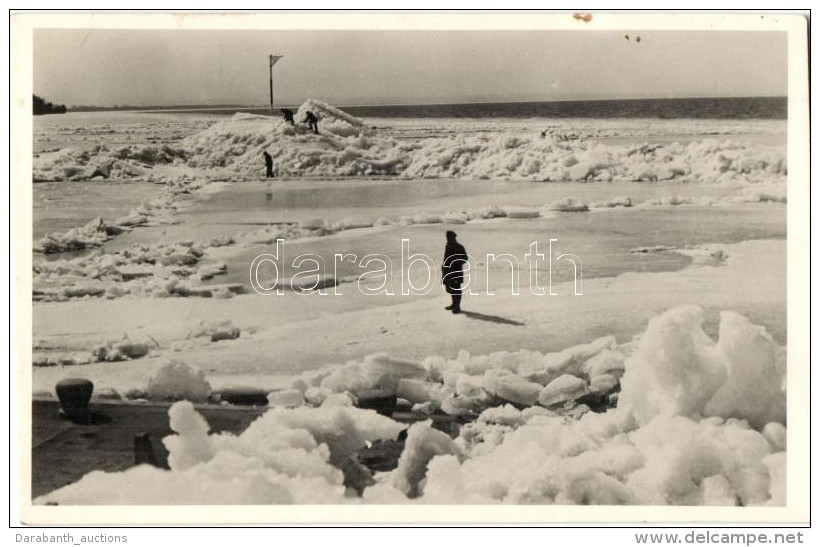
point(105, 67)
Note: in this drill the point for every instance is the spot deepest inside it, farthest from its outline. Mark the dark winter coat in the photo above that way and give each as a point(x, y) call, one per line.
point(455, 256)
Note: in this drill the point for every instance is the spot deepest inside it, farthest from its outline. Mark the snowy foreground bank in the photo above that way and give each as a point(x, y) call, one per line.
point(687, 420)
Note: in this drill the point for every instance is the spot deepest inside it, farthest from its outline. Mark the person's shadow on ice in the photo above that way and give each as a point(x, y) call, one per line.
point(492, 318)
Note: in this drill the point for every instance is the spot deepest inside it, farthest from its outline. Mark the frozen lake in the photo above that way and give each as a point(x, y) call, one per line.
point(602, 238)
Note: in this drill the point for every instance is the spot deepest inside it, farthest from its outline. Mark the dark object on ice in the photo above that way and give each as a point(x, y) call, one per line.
point(287, 113)
point(312, 121)
point(597, 402)
point(385, 406)
point(226, 334)
point(144, 450)
point(242, 395)
point(455, 256)
point(268, 165)
point(601, 402)
point(74, 395)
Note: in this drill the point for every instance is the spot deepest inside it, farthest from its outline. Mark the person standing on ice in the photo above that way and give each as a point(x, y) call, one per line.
point(287, 113)
point(452, 275)
point(312, 121)
point(268, 165)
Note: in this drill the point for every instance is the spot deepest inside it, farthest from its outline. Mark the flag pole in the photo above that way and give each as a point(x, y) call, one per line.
point(271, 61)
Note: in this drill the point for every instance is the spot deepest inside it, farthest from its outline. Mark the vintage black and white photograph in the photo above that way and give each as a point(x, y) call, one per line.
point(372, 260)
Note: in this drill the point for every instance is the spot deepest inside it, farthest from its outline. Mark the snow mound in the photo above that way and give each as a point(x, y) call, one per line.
point(175, 381)
point(678, 370)
point(343, 147)
point(422, 445)
point(216, 331)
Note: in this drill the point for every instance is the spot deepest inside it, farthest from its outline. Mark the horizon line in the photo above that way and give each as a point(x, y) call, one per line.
point(228, 106)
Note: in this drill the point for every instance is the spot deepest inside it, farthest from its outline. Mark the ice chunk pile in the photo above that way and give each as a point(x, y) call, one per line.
point(126, 162)
point(285, 456)
point(378, 376)
point(570, 379)
point(93, 234)
point(157, 211)
point(605, 459)
point(332, 119)
point(345, 146)
point(551, 158)
point(140, 270)
point(121, 350)
point(699, 423)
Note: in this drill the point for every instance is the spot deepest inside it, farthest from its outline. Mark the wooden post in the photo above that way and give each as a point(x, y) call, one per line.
point(270, 73)
point(144, 450)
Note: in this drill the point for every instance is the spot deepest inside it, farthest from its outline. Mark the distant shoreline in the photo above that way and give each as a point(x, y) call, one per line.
point(690, 107)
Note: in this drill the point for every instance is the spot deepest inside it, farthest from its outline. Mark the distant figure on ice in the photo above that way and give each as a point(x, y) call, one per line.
point(455, 256)
point(287, 113)
point(312, 121)
point(268, 165)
